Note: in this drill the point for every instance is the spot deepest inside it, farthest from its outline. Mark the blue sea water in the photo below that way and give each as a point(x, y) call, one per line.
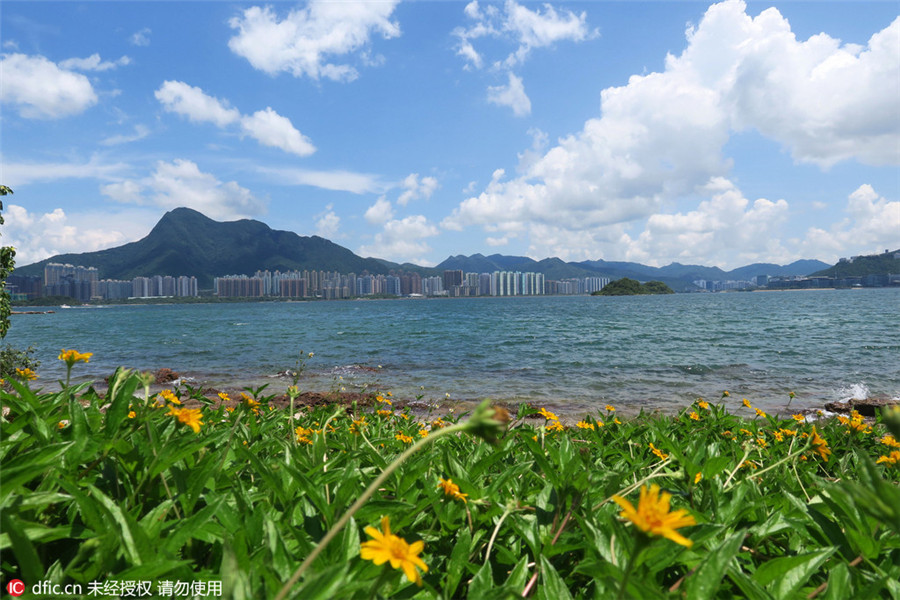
point(575, 354)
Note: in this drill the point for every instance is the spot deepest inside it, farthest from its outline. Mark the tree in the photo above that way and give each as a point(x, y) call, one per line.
point(7, 264)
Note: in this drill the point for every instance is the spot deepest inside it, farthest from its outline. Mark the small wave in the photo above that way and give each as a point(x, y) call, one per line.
point(857, 391)
point(238, 324)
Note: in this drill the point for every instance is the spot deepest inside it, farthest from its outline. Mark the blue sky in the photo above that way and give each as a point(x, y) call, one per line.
point(715, 134)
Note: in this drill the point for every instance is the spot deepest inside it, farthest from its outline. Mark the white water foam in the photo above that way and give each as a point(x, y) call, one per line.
point(857, 391)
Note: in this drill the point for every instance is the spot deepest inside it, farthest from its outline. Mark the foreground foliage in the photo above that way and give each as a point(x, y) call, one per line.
point(179, 486)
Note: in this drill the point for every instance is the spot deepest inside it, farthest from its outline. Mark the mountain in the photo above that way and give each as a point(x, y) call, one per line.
point(862, 266)
point(185, 242)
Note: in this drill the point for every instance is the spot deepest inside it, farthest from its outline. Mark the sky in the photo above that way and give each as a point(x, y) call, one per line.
point(655, 132)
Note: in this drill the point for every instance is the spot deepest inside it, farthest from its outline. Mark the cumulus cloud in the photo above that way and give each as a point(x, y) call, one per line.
point(38, 236)
point(191, 102)
point(379, 213)
point(415, 188)
point(41, 89)
point(512, 95)
point(307, 40)
point(328, 223)
point(182, 183)
point(335, 180)
point(527, 29)
point(661, 136)
point(271, 129)
point(402, 240)
point(872, 222)
point(94, 63)
point(265, 126)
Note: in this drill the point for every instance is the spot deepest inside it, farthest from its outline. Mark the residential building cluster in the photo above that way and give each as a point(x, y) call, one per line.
point(83, 284)
point(452, 283)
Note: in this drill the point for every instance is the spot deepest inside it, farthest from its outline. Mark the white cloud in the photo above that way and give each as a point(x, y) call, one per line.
point(265, 126)
point(661, 137)
point(307, 40)
point(140, 132)
point(271, 129)
point(526, 28)
point(17, 174)
point(93, 63)
point(494, 242)
point(40, 89)
point(39, 236)
point(141, 38)
point(380, 213)
point(328, 224)
point(401, 240)
point(191, 102)
point(872, 224)
point(414, 188)
point(181, 183)
point(512, 95)
point(337, 180)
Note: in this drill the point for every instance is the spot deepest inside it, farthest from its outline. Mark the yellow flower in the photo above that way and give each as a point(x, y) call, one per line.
point(63, 424)
point(761, 442)
point(357, 425)
point(404, 438)
point(131, 414)
point(695, 416)
point(224, 397)
point(746, 403)
point(703, 404)
point(26, 373)
point(789, 432)
point(70, 357)
point(438, 423)
point(168, 395)
point(423, 433)
point(384, 413)
point(890, 441)
point(725, 394)
point(610, 408)
point(778, 435)
point(451, 489)
point(892, 459)
point(189, 416)
point(584, 425)
point(387, 547)
point(698, 477)
point(653, 516)
point(819, 444)
point(548, 415)
point(616, 421)
point(798, 417)
point(556, 426)
point(659, 453)
point(760, 413)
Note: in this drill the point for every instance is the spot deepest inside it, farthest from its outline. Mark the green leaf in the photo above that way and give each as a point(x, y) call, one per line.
point(29, 564)
point(705, 581)
point(838, 583)
point(550, 585)
point(784, 576)
point(459, 558)
point(481, 587)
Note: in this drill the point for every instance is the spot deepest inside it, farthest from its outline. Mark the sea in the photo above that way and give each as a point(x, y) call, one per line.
point(573, 354)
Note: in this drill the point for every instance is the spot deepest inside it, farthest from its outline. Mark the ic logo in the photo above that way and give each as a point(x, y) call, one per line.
point(16, 587)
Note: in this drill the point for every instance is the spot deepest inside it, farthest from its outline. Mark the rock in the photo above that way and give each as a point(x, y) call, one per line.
point(166, 375)
point(867, 407)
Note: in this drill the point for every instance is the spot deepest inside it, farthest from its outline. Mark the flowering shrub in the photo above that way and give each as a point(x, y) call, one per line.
point(368, 502)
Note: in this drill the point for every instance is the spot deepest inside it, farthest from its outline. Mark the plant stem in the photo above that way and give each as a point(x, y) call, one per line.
point(373, 487)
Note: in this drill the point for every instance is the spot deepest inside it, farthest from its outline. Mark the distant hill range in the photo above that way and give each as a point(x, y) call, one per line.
point(185, 242)
point(863, 266)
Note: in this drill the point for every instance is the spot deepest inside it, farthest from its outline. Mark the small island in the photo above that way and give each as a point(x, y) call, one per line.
point(630, 287)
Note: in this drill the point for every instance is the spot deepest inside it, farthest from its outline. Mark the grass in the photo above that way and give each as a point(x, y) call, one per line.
point(272, 503)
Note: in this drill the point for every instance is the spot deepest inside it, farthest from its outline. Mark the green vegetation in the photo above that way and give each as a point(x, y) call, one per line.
point(7, 264)
point(355, 502)
point(630, 287)
point(862, 266)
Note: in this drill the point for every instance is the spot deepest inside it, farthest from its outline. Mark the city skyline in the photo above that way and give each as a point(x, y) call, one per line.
point(713, 134)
